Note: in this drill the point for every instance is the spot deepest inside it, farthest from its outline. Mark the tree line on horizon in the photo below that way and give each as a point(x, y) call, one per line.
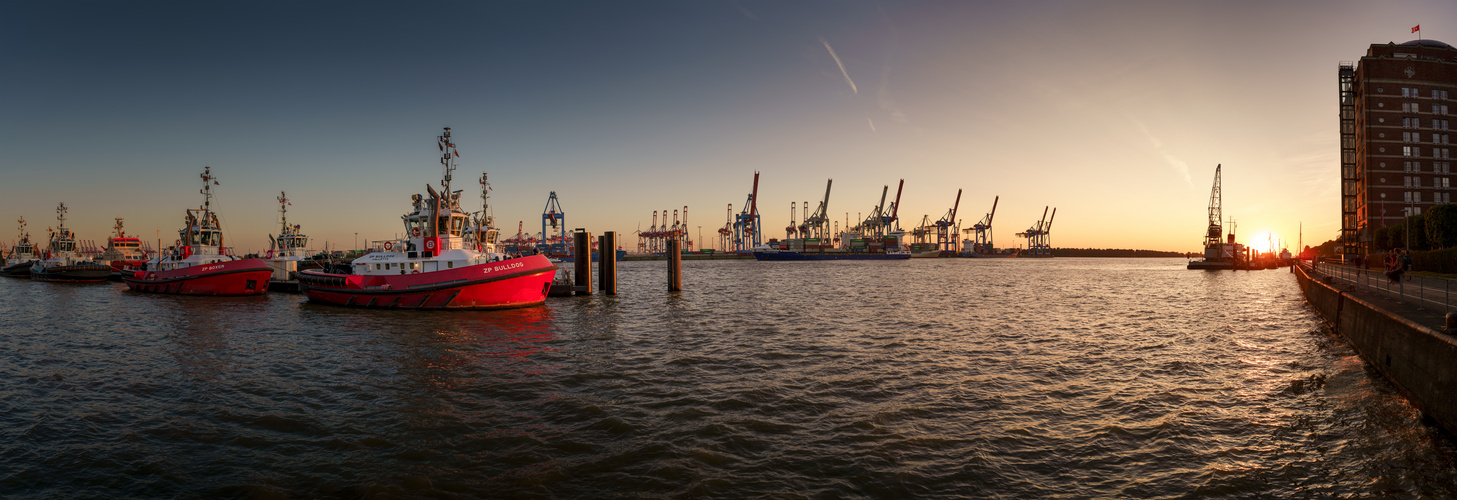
point(1111, 252)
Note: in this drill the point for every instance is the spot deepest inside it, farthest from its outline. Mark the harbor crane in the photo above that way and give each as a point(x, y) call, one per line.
point(892, 222)
point(818, 224)
point(1214, 234)
point(790, 230)
point(871, 226)
point(922, 230)
point(946, 228)
point(1039, 236)
point(726, 233)
point(981, 240)
point(554, 216)
point(746, 225)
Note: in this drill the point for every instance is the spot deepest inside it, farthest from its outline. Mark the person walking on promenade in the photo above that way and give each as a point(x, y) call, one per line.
point(1394, 267)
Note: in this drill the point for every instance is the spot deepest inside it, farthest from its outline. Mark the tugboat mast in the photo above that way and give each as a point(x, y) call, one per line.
point(283, 209)
point(207, 189)
point(447, 158)
point(61, 218)
point(487, 219)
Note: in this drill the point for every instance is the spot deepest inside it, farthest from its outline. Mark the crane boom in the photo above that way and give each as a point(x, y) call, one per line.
point(954, 206)
point(754, 196)
point(895, 209)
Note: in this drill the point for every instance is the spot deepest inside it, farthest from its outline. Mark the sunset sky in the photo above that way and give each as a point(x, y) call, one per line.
point(1114, 112)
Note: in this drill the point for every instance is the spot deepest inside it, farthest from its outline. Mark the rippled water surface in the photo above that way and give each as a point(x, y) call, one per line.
point(942, 377)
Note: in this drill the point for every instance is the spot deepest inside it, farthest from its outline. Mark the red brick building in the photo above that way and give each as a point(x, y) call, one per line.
point(1396, 136)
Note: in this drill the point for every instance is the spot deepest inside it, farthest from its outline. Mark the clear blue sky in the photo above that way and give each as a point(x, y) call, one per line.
point(1115, 112)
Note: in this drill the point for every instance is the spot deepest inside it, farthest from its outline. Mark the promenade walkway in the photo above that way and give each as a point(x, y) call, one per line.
point(1437, 294)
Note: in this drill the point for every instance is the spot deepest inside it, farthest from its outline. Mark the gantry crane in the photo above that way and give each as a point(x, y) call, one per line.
point(946, 228)
point(746, 225)
point(981, 241)
point(817, 225)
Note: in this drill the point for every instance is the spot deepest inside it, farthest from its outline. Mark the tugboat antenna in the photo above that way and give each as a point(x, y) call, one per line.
point(486, 218)
point(207, 182)
point(447, 158)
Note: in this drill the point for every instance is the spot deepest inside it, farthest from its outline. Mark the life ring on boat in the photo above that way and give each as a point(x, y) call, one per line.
point(414, 271)
point(415, 232)
point(388, 245)
point(151, 276)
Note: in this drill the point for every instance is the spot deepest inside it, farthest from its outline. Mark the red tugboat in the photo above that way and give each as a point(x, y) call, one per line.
point(63, 261)
point(200, 264)
point(449, 261)
point(122, 251)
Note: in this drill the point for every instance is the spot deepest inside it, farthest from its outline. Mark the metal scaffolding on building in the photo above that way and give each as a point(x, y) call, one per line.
point(1351, 225)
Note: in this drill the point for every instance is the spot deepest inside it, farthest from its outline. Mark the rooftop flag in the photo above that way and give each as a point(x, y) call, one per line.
point(1416, 28)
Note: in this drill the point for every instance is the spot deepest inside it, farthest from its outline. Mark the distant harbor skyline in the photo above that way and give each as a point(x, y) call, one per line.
point(1114, 112)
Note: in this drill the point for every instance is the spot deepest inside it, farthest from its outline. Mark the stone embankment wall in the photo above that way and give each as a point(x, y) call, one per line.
point(1420, 361)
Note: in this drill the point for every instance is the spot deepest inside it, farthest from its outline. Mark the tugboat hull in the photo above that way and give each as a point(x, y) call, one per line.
point(519, 282)
point(238, 277)
point(74, 273)
point(20, 270)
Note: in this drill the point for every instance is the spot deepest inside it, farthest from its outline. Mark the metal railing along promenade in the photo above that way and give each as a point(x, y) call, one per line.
point(1421, 291)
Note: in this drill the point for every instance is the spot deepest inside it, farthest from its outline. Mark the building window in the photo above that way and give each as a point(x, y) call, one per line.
point(1406, 151)
point(1444, 182)
point(1406, 137)
point(1408, 196)
point(1406, 180)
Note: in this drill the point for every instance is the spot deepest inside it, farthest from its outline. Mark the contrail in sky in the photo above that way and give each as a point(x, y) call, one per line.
point(871, 122)
point(842, 66)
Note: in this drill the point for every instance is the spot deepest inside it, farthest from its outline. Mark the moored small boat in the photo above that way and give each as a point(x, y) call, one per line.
point(122, 251)
point(199, 264)
point(63, 262)
point(450, 260)
point(21, 256)
point(289, 248)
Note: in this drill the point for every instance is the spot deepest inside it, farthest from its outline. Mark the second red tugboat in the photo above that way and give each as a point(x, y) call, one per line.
point(122, 251)
point(200, 264)
point(449, 261)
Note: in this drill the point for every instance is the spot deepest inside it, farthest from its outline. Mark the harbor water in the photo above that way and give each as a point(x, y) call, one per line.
point(1013, 378)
